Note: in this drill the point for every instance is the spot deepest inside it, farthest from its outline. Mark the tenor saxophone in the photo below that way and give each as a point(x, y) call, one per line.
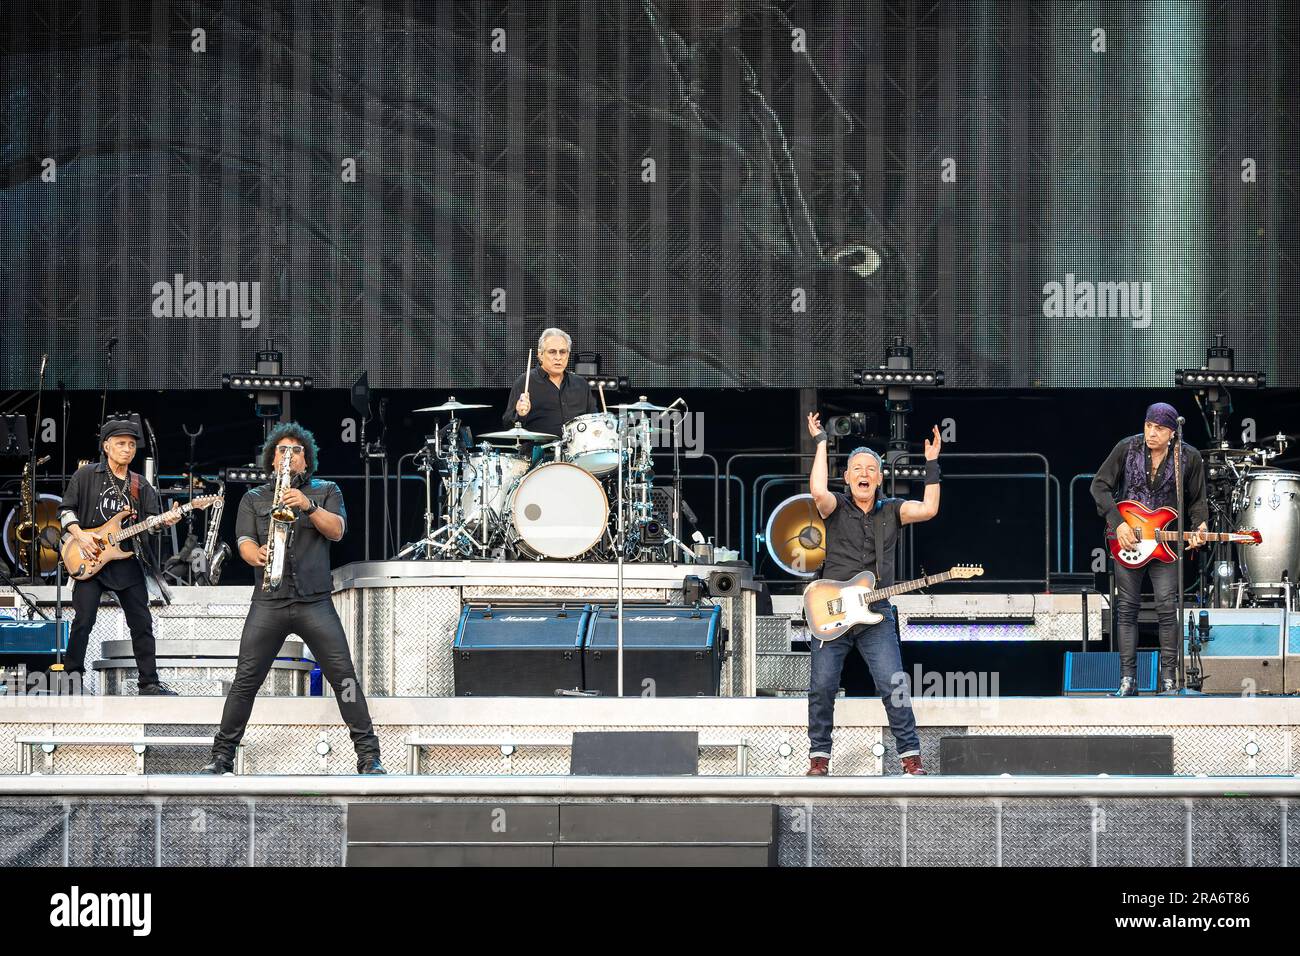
point(282, 520)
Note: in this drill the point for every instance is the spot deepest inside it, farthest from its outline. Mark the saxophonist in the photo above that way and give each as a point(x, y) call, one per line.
point(292, 592)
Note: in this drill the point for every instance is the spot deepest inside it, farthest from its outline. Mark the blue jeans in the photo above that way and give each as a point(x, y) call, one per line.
point(878, 645)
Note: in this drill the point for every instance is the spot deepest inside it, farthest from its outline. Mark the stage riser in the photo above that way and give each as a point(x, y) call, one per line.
point(291, 748)
point(401, 637)
point(867, 831)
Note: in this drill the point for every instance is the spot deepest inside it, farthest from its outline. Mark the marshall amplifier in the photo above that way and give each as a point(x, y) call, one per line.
point(519, 651)
point(667, 652)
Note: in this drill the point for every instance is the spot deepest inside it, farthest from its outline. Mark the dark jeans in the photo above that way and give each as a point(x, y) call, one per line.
point(878, 645)
point(265, 630)
point(135, 606)
point(1128, 599)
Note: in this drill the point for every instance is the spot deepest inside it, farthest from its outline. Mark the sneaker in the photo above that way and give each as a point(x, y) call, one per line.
point(819, 767)
point(912, 766)
point(156, 689)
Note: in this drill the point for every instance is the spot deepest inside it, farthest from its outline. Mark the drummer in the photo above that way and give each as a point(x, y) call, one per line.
point(553, 395)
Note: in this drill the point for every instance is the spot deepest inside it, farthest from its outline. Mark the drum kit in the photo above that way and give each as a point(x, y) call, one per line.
point(1246, 490)
point(521, 494)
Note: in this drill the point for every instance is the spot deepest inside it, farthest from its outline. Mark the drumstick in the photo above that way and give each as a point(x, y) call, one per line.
point(600, 387)
point(527, 369)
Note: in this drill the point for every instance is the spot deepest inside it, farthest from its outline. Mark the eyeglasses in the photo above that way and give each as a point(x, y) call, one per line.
point(556, 352)
point(291, 449)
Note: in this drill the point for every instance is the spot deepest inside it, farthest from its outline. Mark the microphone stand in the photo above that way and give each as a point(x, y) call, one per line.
point(34, 546)
point(1178, 493)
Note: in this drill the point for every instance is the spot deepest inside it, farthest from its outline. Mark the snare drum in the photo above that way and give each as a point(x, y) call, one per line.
point(558, 511)
point(1270, 504)
point(487, 478)
point(591, 442)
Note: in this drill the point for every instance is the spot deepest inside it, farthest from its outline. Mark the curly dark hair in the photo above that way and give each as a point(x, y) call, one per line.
point(310, 450)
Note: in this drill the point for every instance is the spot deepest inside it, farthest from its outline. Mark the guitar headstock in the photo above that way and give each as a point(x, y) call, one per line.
point(963, 571)
point(1253, 534)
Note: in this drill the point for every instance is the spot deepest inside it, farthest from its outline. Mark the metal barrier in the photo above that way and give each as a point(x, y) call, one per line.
point(1089, 474)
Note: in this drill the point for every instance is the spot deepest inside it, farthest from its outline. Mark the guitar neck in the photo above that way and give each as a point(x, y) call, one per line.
point(130, 531)
point(881, 594)
point(1207, 535)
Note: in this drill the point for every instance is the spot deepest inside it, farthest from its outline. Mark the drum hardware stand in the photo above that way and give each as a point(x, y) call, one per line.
point(1198, 634)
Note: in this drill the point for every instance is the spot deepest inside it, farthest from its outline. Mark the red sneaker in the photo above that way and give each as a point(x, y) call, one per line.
point(912, 765)
point(819, 767)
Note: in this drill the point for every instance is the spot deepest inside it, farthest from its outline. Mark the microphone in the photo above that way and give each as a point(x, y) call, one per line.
point(1203, 625)
point(689, 514)
point(108, 346)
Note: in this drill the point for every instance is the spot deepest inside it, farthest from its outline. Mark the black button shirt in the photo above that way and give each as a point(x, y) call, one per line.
point(307, 565)
point(851, 545)
point(551, 406)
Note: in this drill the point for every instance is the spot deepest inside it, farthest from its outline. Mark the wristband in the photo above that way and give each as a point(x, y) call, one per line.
point(820, 437)
point(932, 474)
point(313, 509)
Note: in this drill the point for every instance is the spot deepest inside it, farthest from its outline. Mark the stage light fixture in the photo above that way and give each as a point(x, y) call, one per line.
point(586, 364)
point(1204, 378)
point(609, 383)
point(883, 377)
point(248, 475)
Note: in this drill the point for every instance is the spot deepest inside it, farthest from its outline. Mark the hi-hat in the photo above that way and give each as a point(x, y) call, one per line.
point(451, 405)
point(519, 433)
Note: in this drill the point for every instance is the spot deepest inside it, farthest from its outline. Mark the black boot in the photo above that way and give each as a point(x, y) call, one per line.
point(1128, 687)
point(369, 763)
point(156, 689)
point(219, 766)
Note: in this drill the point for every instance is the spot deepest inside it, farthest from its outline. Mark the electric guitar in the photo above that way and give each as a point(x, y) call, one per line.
point(109, 536)
point(832, 607)
point(1153, 541)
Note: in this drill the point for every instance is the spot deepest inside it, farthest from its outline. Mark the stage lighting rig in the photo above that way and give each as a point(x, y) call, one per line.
point(611, 383)
point(895, 380)
point(1211, 383)
point(268, 386)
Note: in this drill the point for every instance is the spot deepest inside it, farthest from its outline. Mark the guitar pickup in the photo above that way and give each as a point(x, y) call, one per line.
point(836, 606)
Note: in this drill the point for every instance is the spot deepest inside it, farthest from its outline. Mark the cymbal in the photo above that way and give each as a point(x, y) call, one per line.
point(519, 433)
point(641, 406)
point(451, 405)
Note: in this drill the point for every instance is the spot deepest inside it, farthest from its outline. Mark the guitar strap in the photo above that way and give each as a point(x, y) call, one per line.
point(878, 522)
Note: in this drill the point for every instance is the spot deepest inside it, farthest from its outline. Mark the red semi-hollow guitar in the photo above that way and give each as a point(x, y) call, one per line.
point(1153, 541)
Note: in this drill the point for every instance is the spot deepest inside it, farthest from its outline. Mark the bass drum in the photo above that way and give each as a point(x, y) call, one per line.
point(1270, 504)
point(558, 511)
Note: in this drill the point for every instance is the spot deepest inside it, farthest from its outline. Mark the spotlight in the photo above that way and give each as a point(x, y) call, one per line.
point(586, 364)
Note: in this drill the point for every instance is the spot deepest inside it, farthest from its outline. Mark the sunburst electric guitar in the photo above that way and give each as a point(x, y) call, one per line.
point(832, 607)
point(1153, 541)
point(110, 535)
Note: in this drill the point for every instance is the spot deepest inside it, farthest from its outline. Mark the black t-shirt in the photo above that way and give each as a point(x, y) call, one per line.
point(93, 496)
point(851, 545)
